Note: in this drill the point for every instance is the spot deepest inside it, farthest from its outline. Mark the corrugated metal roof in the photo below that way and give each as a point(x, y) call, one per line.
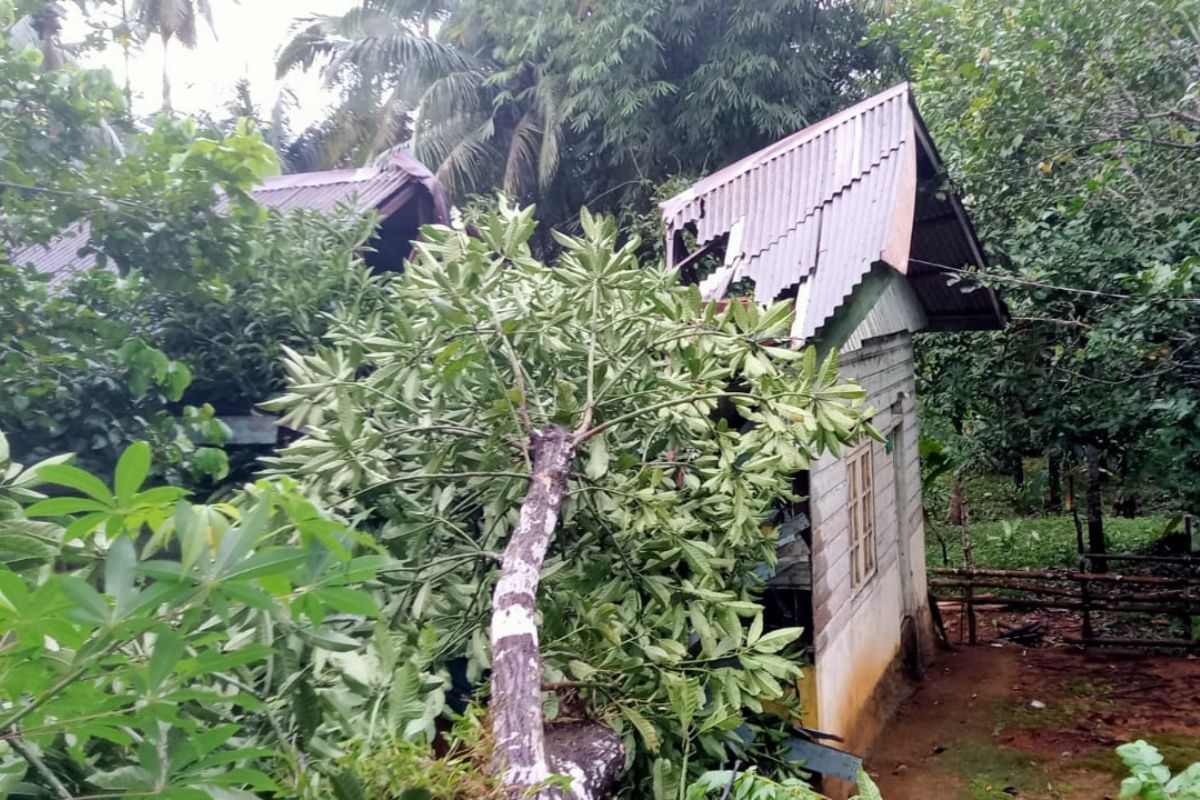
point(816, 210)
point(364, 188)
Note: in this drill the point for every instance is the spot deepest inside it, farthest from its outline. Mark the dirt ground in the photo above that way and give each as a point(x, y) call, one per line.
point(1000, 720)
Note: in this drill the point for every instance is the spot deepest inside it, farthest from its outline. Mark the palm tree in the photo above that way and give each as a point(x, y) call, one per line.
point(38, 23)
point(411, 75)
point(172, 19)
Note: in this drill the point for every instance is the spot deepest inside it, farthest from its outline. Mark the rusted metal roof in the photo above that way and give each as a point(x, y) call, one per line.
point(811, 214)
point(385, 188)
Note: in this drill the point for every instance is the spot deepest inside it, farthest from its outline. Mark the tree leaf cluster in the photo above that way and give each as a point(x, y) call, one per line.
point(693, 420)
point(152, 645)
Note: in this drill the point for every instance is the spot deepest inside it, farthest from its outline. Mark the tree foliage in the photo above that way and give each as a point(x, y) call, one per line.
point(693, 421)
point(152, 645)
point(575, 104)
point(1073, 127)
point(195, 290)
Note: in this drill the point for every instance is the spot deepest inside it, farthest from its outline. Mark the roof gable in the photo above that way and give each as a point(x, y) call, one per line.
point(812, 214)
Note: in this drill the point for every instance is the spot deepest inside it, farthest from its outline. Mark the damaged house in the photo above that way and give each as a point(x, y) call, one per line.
point(850, 219)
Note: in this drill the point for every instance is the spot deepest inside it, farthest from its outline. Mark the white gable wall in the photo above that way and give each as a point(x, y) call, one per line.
point(858, 633)
point(898, 309)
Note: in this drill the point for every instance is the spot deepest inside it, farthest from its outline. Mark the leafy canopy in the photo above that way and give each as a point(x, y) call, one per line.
point(151, 644)
point(1074, 129)
point(700, 417)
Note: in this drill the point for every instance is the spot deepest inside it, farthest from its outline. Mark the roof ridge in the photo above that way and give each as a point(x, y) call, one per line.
point(801, 137)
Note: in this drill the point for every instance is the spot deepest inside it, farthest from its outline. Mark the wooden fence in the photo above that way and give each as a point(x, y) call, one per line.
point(1093, 594)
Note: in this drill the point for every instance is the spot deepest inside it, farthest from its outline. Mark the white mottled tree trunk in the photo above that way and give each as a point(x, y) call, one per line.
point(590, 754)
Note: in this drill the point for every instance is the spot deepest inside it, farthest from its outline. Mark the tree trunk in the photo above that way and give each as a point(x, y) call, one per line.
point(592, 756)
point(1095, 511)
point(1017, 467)
point(126, 36)
point(968, 554)
point(1054, 496)
point(954, 514)
point(47, 22)
point(1080, 548)
point(166, 78)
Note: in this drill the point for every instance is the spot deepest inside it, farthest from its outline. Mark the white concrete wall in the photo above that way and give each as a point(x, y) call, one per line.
point(857, 633)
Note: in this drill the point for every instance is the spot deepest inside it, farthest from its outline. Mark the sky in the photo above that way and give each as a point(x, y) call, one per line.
point(248, 35)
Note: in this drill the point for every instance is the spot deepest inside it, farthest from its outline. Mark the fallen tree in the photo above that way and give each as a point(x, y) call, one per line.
point(580, 415)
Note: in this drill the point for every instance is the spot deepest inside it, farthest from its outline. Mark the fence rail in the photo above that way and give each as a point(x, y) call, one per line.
point(1086, 591)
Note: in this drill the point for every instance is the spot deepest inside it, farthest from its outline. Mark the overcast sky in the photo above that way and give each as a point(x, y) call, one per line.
point(248, 35)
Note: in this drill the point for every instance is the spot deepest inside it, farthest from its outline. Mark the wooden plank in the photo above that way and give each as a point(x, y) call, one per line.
point(1064, 575)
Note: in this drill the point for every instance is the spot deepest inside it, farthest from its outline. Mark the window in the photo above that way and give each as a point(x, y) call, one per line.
point(861, 485)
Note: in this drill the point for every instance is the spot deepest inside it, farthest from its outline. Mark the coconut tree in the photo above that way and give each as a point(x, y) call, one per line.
point(414, 74)
point(172, 19)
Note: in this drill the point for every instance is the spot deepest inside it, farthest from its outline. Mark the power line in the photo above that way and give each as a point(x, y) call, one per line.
point(1055, 287)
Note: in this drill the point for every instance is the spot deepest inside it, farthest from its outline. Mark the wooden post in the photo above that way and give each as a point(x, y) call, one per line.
point(968, 555)
point(1080, 546)
point(1189, 630)
point(1085, 600)
point(1095, 511)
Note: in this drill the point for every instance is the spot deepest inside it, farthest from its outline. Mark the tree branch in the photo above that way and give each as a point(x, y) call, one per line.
point(26, 752)
point(678, 401)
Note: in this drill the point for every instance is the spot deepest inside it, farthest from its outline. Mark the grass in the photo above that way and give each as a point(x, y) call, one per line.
point(1034, 542)
point(1010, 531)
point(1078, 700)
point(1179, 751)
point(988, 770)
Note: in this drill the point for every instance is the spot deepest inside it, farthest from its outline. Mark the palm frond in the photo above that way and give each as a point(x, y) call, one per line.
point(548, 158)
point(522, 162)
point(205, 8)
point(393, 52)
point(392, 124)
point(312, 39)
point(169, 19)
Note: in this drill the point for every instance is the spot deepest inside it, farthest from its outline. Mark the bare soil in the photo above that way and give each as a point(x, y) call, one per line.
point(999, 720)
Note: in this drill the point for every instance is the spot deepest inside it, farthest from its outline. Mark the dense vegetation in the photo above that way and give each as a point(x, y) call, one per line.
point(1072, 128)
point(181, 619)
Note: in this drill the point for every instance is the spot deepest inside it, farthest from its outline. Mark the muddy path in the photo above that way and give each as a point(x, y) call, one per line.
point(996, 722)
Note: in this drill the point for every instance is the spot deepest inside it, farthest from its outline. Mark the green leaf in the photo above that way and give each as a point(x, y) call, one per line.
point(346, 786)
point(60, 506)
point(168, 649)
point(268, 562)
point(348, 601)
point(88, 602)
point(306, 707)
point(597, 463)
point(867, 790)
point(776, 640)
point(77, 479)
point(119, 565)
point(648, 733)
point(415, 794)
point(83, 526)
point(131, 472)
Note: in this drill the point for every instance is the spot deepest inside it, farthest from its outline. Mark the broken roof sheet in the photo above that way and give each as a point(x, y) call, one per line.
point(814, 212)
point(383, 188)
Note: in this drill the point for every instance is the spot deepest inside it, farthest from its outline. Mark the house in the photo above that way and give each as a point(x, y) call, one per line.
point(852, 220)
point(402, 191)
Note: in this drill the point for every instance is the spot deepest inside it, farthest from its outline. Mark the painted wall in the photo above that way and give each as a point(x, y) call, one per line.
point(858, 633)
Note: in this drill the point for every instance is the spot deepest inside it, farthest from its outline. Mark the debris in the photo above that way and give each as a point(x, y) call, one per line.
point(1038, 704)
point(1029, 634)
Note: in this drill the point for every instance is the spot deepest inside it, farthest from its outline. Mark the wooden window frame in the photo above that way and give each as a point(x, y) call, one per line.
point(862, 527)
